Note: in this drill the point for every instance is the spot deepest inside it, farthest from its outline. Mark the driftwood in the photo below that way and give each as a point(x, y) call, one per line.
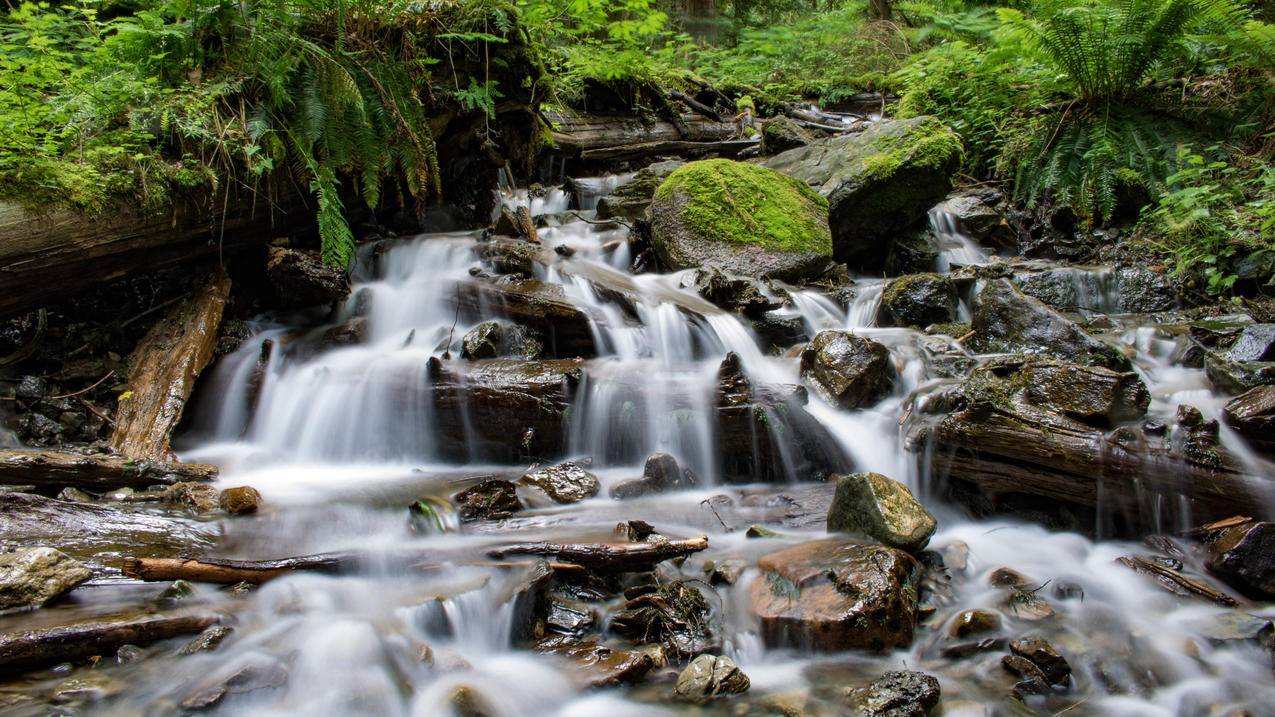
point(163, 370)
point(1217, 526)
point(610, 557)
point(54, 470)
point(230, 572)
point(1175, 582)
point(575, 132)
point(527, 225)
point(696, 105)
point(27, 649)
point(728, 147)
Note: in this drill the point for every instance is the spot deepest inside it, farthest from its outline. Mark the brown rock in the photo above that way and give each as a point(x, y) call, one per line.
point(597, 665)
point(240, 500)
point(974, 622)
point(197, 497)
point(1043, 655)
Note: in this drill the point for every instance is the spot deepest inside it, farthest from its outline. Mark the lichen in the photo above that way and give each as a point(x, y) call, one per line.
point(730, 201)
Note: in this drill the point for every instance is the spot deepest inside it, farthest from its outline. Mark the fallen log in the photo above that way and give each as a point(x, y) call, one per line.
point(230, 572)
point(726, 147)
point(162, 373)
point(696, 105)
point(575, 132)
point(51, 471)
point(1175, 582)
point(610, 557)
point(28, 649)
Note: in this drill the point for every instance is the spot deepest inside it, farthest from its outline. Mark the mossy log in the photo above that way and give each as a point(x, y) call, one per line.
point(28, 649)
point(51, 471)
point(164, 366)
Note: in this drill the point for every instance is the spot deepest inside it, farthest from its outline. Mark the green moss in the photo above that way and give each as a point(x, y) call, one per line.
point(928, 144)
point(732, 201)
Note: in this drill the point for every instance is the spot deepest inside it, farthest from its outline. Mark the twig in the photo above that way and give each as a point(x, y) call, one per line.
point(626, 225)
point(86, 390)
point(715, 514)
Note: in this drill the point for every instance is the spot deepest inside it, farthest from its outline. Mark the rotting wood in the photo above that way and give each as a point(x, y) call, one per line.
point(610, 557)
point(1217, 526)
point(1175, 582)
point(24, 650)
point(230, 572)
point(54, 470)
point(695, 105)
point(162, 373)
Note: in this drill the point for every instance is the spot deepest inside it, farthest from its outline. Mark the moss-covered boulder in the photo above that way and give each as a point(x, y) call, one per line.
point(781, 134)
point(883, 508)
point(879, 183)
point(918, 300)
point(742, 218)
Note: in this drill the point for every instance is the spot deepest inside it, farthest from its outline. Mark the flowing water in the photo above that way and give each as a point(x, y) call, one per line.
point(340, 440)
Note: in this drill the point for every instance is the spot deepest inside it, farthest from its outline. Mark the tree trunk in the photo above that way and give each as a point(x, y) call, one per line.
point(51, 471)
point(28, 649)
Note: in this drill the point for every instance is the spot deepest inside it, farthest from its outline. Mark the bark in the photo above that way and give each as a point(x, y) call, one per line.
point(51, 471)
point(163, 370)
point(230, 572)
point(1175, 582)
point(696, 105)
point(28, 649)
point(610, 557)
point(576, 132)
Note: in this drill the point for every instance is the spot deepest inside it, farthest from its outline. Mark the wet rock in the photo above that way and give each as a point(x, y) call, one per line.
point(30, 577)
point(962, 650)
point(1143, 291)
point(848, 371)
point(673, 614)
point(912, 252)
point(511, 256)
point(660, 473)
point(1032, 678)
point(564, 329)
point(1252, 415)
point(178, 591)
point(630, 200)
point(74, 494)
point(709, 677)
point(874, 505)
point(780, 230)
point(1006, 321)
point(901, 693)
point(240, 500)
point(1244, 557)
point(878, 183)
point(564, 483)
point(1256, 342)
point(350, 333)
point(1236, 627)
point(760, 531)
point(256, 673)
point(1027, 605)
point(1088, 393)
point(782, 133)
point(195, 497)
point(975, 215)
point(208, 640)
point(31, 388)
point(731, 293)
point(1004, 577)
point(596, 665)
point(300, 278)
point(918, 300)
point(129, 653)
point(466, 701)
point(776, 333)
point(1053, 665)
point(1238, 376)
point(492, 499)
point(974, 622)
point(727, 572)
point(86, 689)
point(569, 617)
point(485, 340)
point(834, 595)
point(524, 594)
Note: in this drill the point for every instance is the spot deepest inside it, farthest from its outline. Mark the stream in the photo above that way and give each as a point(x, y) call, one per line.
point(339, 442)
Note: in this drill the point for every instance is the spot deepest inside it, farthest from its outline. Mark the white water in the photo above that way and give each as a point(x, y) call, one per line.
point(340, 440)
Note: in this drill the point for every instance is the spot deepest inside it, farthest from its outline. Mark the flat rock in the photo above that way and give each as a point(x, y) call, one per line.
point(30, 577)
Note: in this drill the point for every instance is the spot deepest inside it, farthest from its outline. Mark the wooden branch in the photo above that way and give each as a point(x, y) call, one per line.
point(527, 225)
point(1175, 582)
point(696, 105)
point(229, 572)
point(610, 557)
point(163, 370)
point(729, 147)
point(27, 649)
point(54, 470)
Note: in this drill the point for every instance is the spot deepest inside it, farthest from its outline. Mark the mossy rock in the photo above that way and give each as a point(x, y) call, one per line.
point(743, 218)
point(783, 133)
point(918, 300)
point(879, 183)
point(883, 508)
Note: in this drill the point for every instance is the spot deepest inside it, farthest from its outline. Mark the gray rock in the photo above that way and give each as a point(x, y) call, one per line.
point(874, 505)
point(782, 133)
point(208, 640)
point(1244, 557)
point(975, 215)
point(879, 182)
point(630, 201)
point(30, 577)
point(1144, 291)
point(564, 483)
point(918, 300)
point(31, 388)
point(731, 293)
point(709, 677)
point(1006, 321)
point(1252, 414)
point(901, 693)
point(1255, 343)
point(847, 370)
point(1238, 376)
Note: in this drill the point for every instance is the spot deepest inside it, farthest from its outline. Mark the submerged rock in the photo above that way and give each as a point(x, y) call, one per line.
point(833, 595)
point(710, 676)
point(744, 218)
point(660, 473)
point(1005, 320)
point(564, 483)
point(30, 577)
point(918, 300)
point(491, 499)
point(1244, 556)
point(847, 370)
point(901, 693)
point(874, 505)
point(878, 183)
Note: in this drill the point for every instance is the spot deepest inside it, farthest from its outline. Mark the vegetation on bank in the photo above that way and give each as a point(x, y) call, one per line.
point(1147, 112)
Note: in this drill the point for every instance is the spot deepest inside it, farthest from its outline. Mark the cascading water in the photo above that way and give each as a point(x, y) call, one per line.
point(340, 437)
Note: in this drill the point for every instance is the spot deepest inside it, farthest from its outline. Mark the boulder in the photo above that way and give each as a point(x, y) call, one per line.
point(629, 201)
point(708, 677)
point(564, 483)
point(491, 499)
point(1252, 415)
point(743, 218)
point(782, 133)
point(1244, 556)
point(878, 183)
point(834, 595)
point(1087, 393)
point(660, 473)
point(300, 278)
point(874, 505)
point(1005, 321)
point(847, 370)
point(918, 300)
point(901, 693)
point(30, 577)
point(974, 214)
point(240, 500)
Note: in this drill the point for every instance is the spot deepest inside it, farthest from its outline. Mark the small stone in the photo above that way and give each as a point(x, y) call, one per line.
point(258, 673)
point(874, 505)
point(468, 702)
point(760, 531)
point(1027, 605)
point(1043, 655)
point(176, 592)
point(90, 688)
point(208, 640)
point(901, 693)
point(974, 622)
point(918, 300)
point(31, 577)
point(967, 649)
point(31, 388)
point(1008, 578)
point(240, 500)
point(129, 653)
point(709, 677)
point(1032, 679)
point(491, 499)
point(75, 495)
point(198, 497)
point(727, 572)
point(564, 483)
